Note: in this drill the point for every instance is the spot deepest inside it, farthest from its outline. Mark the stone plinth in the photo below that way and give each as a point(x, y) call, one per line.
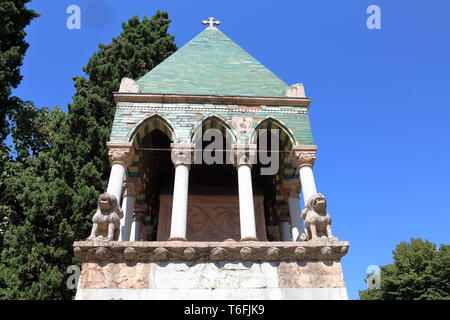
point(211, 270)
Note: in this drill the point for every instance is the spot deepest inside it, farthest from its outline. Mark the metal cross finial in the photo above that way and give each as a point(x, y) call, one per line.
point(211, 22)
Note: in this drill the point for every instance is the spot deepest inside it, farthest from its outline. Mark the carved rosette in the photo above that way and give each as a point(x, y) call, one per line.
point(244, 154)
point(301, 156)
point(132, 187)
point(282, 210)
point(290, 188)
point(120, 152)
point(182, 153)
point(242, 125)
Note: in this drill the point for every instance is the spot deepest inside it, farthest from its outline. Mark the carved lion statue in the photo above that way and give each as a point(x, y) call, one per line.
point(317, 220)
point(107, 219)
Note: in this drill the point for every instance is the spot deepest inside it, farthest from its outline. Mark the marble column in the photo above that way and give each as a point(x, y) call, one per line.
point(290, 189)
point(302, 158)
point(140, 211)
point(244, 156)
point(132, 187)
point(121, 155)
point(283, 221)
point(182, 158)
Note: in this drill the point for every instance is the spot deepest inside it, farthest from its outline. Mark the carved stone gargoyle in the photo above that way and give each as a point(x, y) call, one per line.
point(107, 219)
point(317, 220)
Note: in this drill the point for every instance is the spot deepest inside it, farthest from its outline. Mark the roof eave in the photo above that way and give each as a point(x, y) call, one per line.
point(211, 99)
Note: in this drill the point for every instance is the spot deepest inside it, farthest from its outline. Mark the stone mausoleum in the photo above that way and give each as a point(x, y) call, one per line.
point(209, 153)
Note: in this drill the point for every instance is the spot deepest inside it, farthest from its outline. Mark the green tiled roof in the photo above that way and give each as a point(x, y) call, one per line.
point(212, 64)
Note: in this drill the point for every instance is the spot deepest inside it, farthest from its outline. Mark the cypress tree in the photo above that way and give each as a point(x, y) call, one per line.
point(51, 202)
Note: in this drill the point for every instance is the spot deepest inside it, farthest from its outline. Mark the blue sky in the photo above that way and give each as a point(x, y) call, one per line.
point(380, 110)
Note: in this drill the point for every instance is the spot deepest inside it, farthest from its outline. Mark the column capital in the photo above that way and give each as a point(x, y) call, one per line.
point(132, 187)
point(243, 154)
point(301, 156)
point(120, 152)
point(140, 211)
point(282, 210)
point(182, 153)
point(290, 188)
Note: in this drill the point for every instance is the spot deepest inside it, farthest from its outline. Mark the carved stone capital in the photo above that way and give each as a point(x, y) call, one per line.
point(182, 153)
point(140, 211)
point(242, 125)
point(132, 187)
point(120, 152)
point(244, 154)
point(301, 156)
point(290, 188)
point(282, 210)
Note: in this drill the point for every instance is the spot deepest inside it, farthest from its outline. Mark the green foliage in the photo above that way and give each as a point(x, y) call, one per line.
point(419, 272)
point(14, 17)
point(51, 198)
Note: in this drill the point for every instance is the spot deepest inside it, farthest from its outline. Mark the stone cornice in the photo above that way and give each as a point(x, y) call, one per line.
point(211, 99)
point(320, 249)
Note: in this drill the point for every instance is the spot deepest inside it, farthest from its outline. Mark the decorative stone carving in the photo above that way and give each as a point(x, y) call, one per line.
point(242, 125)
point(107, 219)
point(129, 253)
point(273, 253)
point(119, 152)
point(182, 153)
point(211, 219)
point(189, 253)
point(290, 188)
point(302, 156)
point(246, 253)
point(132, 186)
point(317, 220)
point(282, 210)
point(129, 86)
point(322, 249)
point(161, 254)
point(296, 90)
point(244, 154)
point(218, 253)
point(300, 253)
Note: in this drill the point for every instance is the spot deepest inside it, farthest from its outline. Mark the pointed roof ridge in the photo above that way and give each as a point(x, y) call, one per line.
point(212, 64)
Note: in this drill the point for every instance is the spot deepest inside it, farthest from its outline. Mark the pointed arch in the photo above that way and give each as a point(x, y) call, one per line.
point(213, 121)
point(286, 134)
point(153, 122)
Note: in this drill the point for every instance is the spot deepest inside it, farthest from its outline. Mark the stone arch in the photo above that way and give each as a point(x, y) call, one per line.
point(213, 121)
point(286, 134)
point(153, 122)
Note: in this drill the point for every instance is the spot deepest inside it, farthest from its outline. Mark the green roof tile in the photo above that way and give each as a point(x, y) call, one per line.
point(213, 64)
